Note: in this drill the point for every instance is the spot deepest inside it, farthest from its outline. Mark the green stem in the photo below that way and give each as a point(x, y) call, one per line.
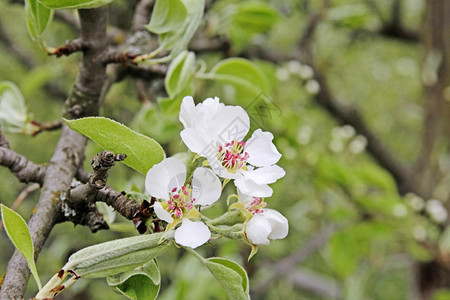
point(229, 218)
point(194, 162)
point(203, 260)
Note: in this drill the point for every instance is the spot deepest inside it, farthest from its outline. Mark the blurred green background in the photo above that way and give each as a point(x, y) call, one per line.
point(352, 236)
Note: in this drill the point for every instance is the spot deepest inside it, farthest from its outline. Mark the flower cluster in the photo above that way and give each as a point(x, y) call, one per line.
point(216, 133)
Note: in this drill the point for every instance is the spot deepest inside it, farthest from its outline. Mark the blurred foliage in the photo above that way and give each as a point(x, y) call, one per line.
point(331, 181)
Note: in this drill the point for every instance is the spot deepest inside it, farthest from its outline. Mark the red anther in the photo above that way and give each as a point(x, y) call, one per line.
point(176, 196)
point(185, 192)
point(174, 190)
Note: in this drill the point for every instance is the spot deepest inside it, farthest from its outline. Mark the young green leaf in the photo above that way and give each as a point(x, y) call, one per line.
point(168, 15)
point(242, 74)
point(38, 18)
point(178, 39)
point(180, 73)
point(18, 233)
point(117, 256)
point(13, 111)
point(255, 16)
point(231, 277)
point(250, 18)
point(142, 152)
point(141, 283)
point(74, 4)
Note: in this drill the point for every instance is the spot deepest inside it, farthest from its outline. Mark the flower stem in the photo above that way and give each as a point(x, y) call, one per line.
point(203, 260)
point(193, 163)
point(229, 218)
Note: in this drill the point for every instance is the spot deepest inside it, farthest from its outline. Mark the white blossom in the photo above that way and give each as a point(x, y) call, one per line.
point(216, 132)
point(166, 181)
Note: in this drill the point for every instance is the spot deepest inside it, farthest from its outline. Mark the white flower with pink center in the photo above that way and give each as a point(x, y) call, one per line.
point(265, 224)
point(166, 182)
point(216, 131)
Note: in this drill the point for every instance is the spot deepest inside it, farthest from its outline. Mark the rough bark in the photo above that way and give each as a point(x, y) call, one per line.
point(69, 151)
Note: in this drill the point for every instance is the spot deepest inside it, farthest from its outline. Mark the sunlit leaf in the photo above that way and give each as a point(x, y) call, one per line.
point(168, 15)
point(177, 40)
point(180, 73)
point(38, 17)
point(18, 233)
point(13, 111)
point(142, 152)
point(74, 4)
point(241, 73)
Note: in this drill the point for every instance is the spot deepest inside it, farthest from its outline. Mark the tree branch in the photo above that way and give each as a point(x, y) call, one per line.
point(289, 263)
point(69, 151)
point(141, 15)
point(77, 204)
point(24, 170)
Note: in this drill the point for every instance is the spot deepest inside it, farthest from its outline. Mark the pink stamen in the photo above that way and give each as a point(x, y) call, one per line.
point(174, 190)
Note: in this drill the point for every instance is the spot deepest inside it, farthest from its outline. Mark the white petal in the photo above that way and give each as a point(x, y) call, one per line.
point(211, 106)
point(194, 140)
point(206, 187)
point(253, 189)
point(232, 123)
point(187, 112)
point(162, 213)
point(261, 150)
point(265, 175)
point(192, 234)
point(280, 225)
point(163, 177)
point(257, 230)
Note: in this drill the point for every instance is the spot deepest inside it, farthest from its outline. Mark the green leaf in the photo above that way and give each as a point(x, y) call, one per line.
point(142, 152)
point(255, 16)
point(13, 111)
point(180, 73)
point(38, 18)
point(117, 256)
point(349, 245)
point(178, 39)
point(141, 283)
point(244, 75)
point(164, 126)
point(18, 233)
point(231, 277)
point(168, 15)
point(74, 4)
point(249, 19)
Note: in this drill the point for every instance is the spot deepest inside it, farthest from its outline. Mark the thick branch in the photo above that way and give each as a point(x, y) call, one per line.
point(59, 173)
point(69, 151)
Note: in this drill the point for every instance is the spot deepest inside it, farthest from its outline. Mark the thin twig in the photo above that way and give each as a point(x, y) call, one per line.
point(23, 194)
